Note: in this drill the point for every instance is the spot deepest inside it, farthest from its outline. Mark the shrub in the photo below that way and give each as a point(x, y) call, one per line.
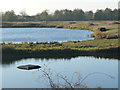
point(59, 26)
point(92, 35)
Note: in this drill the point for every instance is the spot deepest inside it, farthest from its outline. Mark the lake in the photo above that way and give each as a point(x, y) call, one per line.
point(102, 72)
point(43, 35)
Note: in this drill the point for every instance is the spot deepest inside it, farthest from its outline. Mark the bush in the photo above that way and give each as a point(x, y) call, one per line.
point(92, 35)
point(102, 29)
point(111, 36)
point(59, 26)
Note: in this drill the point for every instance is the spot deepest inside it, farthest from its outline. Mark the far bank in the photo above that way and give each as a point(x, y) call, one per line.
point(110, 27)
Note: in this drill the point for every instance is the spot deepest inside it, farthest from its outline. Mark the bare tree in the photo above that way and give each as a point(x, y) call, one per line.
point(23, 13)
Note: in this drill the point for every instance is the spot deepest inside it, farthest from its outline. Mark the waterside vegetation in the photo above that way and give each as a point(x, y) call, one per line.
point(103, 48)
point(98, 44)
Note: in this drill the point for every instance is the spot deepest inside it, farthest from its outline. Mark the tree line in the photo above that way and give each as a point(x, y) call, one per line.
point(62, 15)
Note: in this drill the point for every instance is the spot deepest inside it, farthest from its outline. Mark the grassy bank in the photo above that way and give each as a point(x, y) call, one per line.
point(97, 44)
point(103, 48)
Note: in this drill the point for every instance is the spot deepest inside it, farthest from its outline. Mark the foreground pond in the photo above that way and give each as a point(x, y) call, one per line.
point(43, 34)
point(67, 67)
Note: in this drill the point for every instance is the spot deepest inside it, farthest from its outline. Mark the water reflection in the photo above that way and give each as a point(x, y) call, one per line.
point(9, 58)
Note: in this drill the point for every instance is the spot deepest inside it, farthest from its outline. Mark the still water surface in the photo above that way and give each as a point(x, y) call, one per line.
point(13, 77)
point(43, 34)
point(16, 78)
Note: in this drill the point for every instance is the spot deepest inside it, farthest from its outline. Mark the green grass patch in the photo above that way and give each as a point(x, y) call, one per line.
point(96, 44)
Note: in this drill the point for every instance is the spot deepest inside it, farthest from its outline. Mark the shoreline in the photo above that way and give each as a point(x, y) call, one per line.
point(13, 55)
point(67, 54)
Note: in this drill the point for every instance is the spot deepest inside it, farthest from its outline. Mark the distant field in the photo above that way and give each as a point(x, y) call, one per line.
point(85, 25)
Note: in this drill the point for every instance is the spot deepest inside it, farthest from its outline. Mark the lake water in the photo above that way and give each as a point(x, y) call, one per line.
point(105, 71)
point(43, 34)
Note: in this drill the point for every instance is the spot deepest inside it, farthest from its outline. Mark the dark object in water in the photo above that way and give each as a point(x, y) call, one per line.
point(29, 67)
